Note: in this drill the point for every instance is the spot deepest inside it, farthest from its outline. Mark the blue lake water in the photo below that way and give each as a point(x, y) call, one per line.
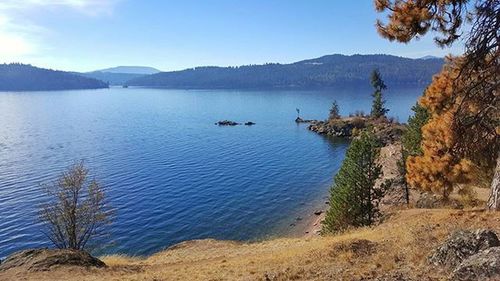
point(169, 172)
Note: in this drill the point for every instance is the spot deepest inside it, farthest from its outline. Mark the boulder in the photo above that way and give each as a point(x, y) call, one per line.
point(484, 265)
point(45, 259)
point(461, 245)
point(432, 201)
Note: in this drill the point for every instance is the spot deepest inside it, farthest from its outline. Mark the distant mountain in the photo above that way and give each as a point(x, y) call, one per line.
point(120, 74)
point(429, 58)
point(144, 70)
point(324, 72)
point(24, 77)
point(112, 78)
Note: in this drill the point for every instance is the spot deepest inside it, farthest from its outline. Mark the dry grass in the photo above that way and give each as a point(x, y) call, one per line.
point(398, 247)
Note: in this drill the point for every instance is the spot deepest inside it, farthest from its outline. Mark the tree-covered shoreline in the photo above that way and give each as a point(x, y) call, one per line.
point(23, 77)
point(321, 73)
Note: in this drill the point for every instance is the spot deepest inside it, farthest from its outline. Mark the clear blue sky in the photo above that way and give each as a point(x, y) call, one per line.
point(84, 35)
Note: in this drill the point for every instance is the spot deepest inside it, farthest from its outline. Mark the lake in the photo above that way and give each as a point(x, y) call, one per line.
point(169, 172)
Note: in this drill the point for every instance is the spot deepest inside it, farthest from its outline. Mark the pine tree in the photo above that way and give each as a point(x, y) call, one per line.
point(334, 111)
point(353, 197)
point(411, 141)
point(462, 135)
point(378, 109)
point(412, 137)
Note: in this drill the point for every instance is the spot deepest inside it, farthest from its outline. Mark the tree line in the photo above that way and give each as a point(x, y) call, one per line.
point(23, 77)
point(325, 72)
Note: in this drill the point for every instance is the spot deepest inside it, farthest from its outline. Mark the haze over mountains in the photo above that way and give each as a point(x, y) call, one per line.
point(144, 70)
point(324, 72)
point(121, 74)
point(429, 57)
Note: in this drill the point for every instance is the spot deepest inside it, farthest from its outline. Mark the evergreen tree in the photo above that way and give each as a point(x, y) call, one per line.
point(412, 137)
point(411, 141)
point(378, 109)
point(334, 111)
point(353, 198)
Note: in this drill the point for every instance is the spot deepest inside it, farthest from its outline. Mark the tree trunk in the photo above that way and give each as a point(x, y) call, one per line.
point(407, 193)
point(494, 201)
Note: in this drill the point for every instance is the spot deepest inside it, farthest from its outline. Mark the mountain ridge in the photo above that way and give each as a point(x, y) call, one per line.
point(144, 70)
point(25, 77)
point(119, 75)
point(323, 72)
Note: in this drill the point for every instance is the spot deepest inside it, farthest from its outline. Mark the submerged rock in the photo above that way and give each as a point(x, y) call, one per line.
point(45, 259)
point(462, 244)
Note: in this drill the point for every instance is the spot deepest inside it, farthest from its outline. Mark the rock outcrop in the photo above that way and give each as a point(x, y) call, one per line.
point(461, 245)
point(483, 266)
point(336, 129)
point(384, 129)
point(45, 259)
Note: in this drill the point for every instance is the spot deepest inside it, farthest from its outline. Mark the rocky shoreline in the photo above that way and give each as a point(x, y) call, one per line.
point(386, 130)
point(389, 134)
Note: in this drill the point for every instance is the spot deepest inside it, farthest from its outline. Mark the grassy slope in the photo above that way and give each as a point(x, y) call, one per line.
point(401, 245)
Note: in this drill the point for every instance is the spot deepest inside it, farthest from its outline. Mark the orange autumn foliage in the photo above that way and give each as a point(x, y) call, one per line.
point(462, 135)
point(444, 163)
point(437, 169)
point(414, 18)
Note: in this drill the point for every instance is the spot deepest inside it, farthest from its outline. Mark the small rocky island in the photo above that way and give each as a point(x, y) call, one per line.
point(300, 120)
point(385, 129)
point(232, 123)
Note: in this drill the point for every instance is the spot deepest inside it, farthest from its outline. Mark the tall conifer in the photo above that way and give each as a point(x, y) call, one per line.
point(353, 197)
point(378, 109)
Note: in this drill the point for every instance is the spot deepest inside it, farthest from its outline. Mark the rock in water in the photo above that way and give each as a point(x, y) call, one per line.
point(462, 244)
point(250, 123)
point(300, 120)
point(483, 266)
point(227, 123)
point(45, 259)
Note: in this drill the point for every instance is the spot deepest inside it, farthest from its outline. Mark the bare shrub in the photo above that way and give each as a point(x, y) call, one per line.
point(76, 211)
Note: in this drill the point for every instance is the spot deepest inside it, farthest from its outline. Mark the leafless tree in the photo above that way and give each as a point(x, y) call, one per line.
point(76, 211)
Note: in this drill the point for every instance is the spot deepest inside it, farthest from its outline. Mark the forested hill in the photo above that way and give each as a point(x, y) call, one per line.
point(22, 77)
point(323, 72)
